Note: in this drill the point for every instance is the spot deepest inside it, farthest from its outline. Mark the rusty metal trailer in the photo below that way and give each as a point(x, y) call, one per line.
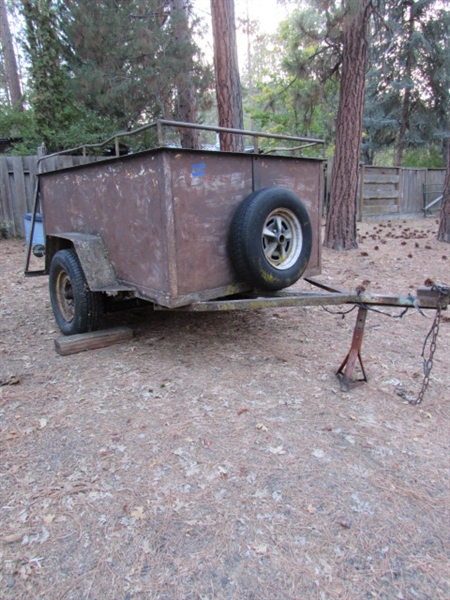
point(174, 226)
point(191, 230)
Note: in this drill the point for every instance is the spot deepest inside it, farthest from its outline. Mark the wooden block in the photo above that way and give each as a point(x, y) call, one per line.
point(92, 340)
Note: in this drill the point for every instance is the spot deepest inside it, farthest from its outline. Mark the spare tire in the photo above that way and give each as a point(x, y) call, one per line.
point(270, 239)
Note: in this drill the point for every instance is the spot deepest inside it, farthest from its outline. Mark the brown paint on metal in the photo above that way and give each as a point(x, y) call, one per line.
point(355, 351)
point(164, 214)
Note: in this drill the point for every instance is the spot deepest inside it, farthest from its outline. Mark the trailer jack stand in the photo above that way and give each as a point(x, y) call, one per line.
point(355, 353)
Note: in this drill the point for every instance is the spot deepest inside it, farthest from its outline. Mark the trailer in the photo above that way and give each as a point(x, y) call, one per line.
point(173, 226)
point(193, 230)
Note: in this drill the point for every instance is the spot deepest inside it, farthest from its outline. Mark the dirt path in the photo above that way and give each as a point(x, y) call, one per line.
point(215, 457)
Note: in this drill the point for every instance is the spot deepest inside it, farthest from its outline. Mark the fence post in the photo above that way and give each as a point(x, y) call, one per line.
point(400, 190)
point(41, 152)
point(360, 211)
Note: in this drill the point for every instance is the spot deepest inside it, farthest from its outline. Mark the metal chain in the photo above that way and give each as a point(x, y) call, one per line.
point(428, 363)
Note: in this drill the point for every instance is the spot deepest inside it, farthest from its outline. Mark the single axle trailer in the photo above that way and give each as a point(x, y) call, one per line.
point(192, 230)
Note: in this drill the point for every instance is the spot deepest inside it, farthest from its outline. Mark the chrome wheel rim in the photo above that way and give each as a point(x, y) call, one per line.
point(282, 238)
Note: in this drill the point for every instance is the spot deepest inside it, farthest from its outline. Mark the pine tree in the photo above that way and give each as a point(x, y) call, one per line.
point(444, 222)
point(340, 232)
point(133, 60)
point(407, 103)
point(228, 84)
point(10, 64)
point(50, 98)
point(187, 104)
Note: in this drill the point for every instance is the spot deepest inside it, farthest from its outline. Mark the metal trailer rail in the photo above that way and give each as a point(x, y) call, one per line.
point(431, 189)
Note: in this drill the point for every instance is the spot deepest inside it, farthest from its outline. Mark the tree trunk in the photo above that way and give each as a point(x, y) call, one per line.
point(187, 100)
point(228, 83)
point(444, 222)
point(406, 106)
point(11, 72)
point(340, 231)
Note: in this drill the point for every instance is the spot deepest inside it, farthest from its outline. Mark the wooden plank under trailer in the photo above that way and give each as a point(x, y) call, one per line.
point(435, 297)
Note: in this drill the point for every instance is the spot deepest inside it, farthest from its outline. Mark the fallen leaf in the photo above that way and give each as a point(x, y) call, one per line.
point(42, 423)
point(48, 519)
point(277, 450)
point(13, 380)
point(138, 513)
point(345, 524)
point(311, 509)
point(261, 549)
point(222, 471)
point(14, 537)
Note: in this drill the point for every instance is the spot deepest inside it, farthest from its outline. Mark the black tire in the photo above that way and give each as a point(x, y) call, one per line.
point(76, 308)
point(270, 239)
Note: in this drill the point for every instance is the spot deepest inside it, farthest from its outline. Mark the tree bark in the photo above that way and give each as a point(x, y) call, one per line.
point(187, 101)
point(11, 72)
point(340, 231)
point(406, 105)
point(444, 221)
point(228, 83)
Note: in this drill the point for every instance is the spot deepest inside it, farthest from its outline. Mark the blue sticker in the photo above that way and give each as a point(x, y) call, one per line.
point(198, 170)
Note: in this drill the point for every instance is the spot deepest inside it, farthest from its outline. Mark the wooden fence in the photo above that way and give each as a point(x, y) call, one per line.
point(394, 191)
point(17, 187)
point(383, 191)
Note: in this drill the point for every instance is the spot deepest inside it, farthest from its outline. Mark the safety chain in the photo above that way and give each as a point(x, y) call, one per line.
point(428, 363)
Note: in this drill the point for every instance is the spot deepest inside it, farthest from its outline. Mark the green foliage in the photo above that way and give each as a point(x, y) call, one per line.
point(50, 99)
point(297, 84)
point(100, 66)
point(429, 157)
point(290, 96)
point(123, 59)
point(20, 125)
point(407, 99)
point(84, 127)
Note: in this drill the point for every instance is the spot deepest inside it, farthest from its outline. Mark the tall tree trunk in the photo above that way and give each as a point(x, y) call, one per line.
point(444, 222)
point(406, 105)
point(228, 83)
point(340, 231)
point(187, 100)
point(11, 72)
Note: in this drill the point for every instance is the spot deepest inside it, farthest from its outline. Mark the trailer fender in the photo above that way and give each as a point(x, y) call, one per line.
point(94, 259)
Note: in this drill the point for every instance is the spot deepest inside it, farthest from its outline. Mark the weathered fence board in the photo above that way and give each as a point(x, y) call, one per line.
point(380, 176)
point(412, 190)
point(7, 223)
point(19, 191)
point(385, 191)
point(375, 192)
point(379, 191)
point(17, 185)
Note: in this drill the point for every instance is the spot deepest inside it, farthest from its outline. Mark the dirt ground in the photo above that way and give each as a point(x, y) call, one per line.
point(214, 455)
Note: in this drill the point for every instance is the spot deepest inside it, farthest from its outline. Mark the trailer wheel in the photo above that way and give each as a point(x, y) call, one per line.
point(270, 239)
point(76, 308)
